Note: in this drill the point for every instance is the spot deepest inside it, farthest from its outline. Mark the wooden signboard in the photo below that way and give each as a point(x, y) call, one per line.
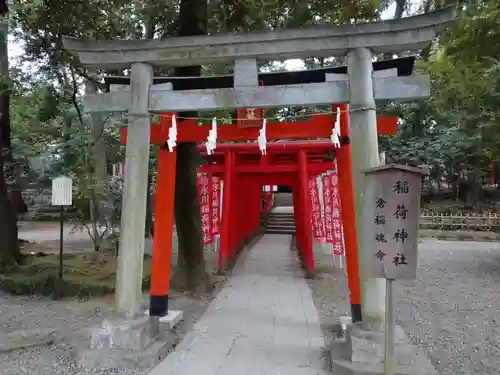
point(391, 222)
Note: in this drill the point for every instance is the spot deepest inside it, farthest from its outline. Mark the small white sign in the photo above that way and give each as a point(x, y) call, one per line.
point(62, 191)
point(391, 221)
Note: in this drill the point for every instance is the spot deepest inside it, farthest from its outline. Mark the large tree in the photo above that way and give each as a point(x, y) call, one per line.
point(9, 247)
point(191, 272)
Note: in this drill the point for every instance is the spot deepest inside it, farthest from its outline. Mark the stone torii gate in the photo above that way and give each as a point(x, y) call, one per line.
point(361, 87)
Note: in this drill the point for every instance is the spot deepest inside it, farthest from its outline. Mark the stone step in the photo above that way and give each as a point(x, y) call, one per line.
point(281, 217)
point(280, 231)
point(292, 227)
point(284, 223)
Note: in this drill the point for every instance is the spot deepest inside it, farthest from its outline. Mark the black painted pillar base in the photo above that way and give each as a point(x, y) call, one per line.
point(158, 305)
point(356, 312)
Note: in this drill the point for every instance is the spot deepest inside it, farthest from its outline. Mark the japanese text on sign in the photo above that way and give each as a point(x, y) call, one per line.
point(317, 217)
point(391, 222)
point(328, 208)
point(215, 205)
point(204, 195)
point(332, 217)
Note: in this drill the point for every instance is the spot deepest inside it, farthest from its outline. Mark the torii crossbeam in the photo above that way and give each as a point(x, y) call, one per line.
point(320, 126)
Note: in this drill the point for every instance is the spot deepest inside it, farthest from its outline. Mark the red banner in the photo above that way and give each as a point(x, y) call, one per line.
point(338, 233)
point(327, 204)
point(204, 190)
point(317, 222)
point(215, 205)
point(333, 221)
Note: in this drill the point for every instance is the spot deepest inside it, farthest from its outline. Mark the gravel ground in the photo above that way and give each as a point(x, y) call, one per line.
point(73, 318)
point(452, 309)
point(330, 292)
point(70, 317)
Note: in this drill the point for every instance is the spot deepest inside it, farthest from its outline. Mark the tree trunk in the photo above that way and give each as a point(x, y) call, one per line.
point(9, 247)
point(400, 8)
point(149, 228)
point(98, 166)
point(190, 273)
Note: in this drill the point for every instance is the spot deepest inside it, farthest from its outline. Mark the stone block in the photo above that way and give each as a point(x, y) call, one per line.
point(340, 349)
point(137, 359)
point(117, 334)
point(369, 346)
point(171, 320)
point(365, 353)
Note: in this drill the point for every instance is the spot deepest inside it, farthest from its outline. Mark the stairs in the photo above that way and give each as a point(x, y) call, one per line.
point(280, 223)
point(283, 199)
point(280, 220)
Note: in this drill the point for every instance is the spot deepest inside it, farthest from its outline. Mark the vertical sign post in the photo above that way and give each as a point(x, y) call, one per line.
point(392, 201)
point(62, 195)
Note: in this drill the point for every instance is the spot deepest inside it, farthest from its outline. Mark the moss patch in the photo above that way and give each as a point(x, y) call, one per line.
point(84, 275)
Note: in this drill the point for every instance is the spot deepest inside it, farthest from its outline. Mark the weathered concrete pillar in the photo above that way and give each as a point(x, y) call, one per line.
point(130, 260)
point(365, 155)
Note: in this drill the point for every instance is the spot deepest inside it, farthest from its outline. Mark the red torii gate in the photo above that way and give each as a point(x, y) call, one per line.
point(244, 171)
point(309, 159)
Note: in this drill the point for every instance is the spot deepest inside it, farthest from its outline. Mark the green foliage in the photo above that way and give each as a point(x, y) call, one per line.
point(456, 133)
point(84, 276)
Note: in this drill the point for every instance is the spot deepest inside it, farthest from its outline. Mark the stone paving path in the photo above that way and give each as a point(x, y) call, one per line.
point(263, 322)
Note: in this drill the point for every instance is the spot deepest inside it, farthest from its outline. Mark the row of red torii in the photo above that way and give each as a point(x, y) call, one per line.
point(244, 171)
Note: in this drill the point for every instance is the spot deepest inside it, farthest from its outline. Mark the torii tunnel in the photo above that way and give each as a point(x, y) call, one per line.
point(244, 172)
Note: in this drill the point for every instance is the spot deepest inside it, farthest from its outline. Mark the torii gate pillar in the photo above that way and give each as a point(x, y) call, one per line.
point(365, 155)
point(130, 262)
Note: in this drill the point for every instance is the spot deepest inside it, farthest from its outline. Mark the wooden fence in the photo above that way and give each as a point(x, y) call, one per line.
point(488, 222)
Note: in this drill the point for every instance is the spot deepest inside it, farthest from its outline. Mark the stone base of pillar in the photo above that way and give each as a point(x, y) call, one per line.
point(171, 320)
point(118, 334)
point(360, 352)
point(127, 343)
point(107, 359)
